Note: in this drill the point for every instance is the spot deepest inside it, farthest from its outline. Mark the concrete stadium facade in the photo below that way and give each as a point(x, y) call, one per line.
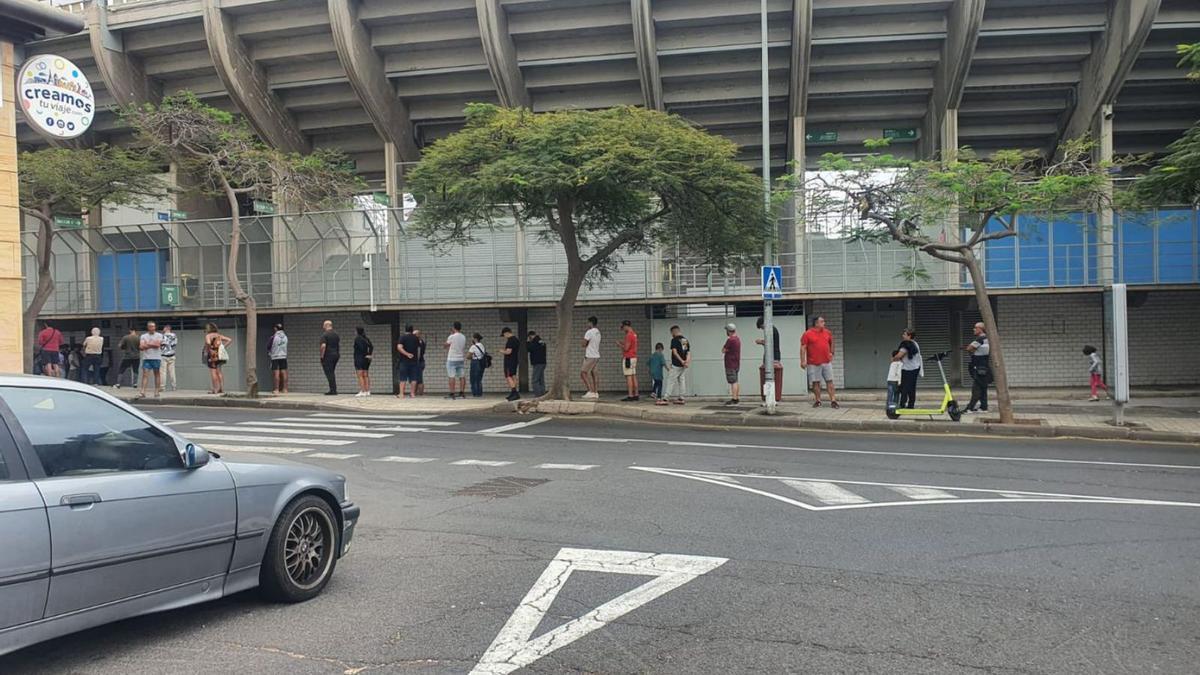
point(382, 79)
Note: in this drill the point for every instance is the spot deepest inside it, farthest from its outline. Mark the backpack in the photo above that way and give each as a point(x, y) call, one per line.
point(487, 360)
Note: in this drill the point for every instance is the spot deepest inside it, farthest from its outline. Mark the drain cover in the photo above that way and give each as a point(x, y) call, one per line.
point(499, 488)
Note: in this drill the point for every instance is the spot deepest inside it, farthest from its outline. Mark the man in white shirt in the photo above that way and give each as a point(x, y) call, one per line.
point(170, 343)
point(151, 346)
point(591, 359)
point(456, 359)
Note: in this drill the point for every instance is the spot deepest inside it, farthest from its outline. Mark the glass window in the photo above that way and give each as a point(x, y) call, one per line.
point(75, 434)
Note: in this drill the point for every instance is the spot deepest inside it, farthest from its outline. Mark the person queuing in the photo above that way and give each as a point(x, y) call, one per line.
point(681, 360)
point(456, 357)
point(732, 352)
point(331, 346)
point(170, 345)
point(216, 355)
point(591, 359)
point(49, 342)
point(93, 357)
point(131, 353)
point(658, 364)
point(816, 358)
point(408, 348)
point(479, 363)
point(536, 349)
point(277, 351)
point(150, 345)
point(364, 351)
point(419, 387)
point(629, 350)
point(512, 361)
point(980, 369)
point(909, 356)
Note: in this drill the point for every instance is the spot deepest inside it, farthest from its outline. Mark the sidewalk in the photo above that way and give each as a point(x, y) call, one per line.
point(1173, 419)
point(430, 404)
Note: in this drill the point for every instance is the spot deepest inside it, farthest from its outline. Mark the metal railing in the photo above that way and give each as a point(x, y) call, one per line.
point(316, 260)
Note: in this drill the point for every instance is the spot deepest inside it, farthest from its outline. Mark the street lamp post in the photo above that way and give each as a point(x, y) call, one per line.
point(768, 252)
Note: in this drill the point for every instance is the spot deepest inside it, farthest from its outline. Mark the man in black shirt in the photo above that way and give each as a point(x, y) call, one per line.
point(330, 353)
point(512, 360)
point(681, 360)
point(409, 349)
point(537, 363)
point(419, 387)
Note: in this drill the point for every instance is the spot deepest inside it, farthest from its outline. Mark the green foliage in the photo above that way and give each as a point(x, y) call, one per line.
point(600, 182)
point(912, 273)
point(1175, 179)
point(70, 181)
point(220, 151)
point(1189, 57)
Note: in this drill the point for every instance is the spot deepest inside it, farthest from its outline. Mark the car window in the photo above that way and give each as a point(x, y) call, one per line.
point(75, 434)
point(3, 468)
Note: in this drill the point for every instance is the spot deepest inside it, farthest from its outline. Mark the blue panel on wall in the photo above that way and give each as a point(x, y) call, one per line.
point(106, 274)
point(1073, 250)
point(130, 281)
point(1135, 235)
point(999, 259)
point(1033, 251)
point(1176, 253)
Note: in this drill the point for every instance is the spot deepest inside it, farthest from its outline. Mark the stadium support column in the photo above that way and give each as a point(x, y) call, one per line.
point(795, 241)
point(1103, 152)
point(795, 273)
point(11, 303)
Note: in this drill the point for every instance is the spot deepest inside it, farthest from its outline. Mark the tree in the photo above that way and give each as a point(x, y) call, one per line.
point(218, 151)
point(910, 201)
point(1175, 179)
point(599, 183)
point(71, 182)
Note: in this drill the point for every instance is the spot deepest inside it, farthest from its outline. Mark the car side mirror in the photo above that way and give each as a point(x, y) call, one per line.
point(194, 456)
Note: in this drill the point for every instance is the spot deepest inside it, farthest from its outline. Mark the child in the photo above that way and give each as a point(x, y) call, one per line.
point(1094, 370)
point(658, 362)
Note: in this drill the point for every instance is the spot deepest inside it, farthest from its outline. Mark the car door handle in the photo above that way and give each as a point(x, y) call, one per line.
point(80, 500)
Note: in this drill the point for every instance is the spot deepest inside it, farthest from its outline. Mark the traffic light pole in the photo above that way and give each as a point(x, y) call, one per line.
point(768, 253)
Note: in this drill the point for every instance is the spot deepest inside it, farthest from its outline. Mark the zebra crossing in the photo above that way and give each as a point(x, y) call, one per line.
point(820, 494)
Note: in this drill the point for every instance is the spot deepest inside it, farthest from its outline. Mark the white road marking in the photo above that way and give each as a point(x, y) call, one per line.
point(515, 647)
point(405, 460)
point(702, 445)
point(367, 422)
point(595, 440)
point(305, 425)
point(514, 426)
point(572, 467)
point(923, 493)
point(332, 455)
point(261, 449)
point(826, 493)
point(381, 416)
point(479, 462)
point(172, 423)
point(262, 439)
point(310, 432)
point(992, 496)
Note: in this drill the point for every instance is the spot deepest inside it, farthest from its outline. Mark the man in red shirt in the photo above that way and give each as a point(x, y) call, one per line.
point(49, 340)
point(816, 358)
point(629, 348)
point(732, 351)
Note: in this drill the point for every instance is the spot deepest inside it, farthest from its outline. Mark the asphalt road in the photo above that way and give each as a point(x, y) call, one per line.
point(704, 551)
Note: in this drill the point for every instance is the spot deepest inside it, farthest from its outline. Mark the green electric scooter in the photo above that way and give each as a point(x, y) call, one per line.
point(949, 405)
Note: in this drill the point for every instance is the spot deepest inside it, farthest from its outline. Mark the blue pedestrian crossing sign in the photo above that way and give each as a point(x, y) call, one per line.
point(772, 282)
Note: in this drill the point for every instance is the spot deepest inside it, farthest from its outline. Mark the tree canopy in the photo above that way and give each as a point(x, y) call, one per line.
point(70, 181)
point(1175, 179)
point(598, 182)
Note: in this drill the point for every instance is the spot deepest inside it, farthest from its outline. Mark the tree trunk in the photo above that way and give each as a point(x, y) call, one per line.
point(240, 294)
point(993, 334)
point(564, 314)
point(45, 282)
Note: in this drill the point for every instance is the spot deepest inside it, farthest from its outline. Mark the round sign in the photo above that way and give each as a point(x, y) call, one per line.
point(56, 96)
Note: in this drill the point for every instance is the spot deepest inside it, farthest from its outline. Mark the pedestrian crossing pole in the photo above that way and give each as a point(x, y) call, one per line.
point(768, 253)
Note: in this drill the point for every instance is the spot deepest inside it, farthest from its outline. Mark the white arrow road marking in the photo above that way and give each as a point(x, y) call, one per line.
point(513, 648)
point(985, 496)
point(514, 426)
point(269, 440)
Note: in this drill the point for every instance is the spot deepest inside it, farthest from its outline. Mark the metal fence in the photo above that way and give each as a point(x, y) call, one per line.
point(317, 260)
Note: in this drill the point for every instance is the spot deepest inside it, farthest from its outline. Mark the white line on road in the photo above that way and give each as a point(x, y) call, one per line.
point(310, 432)
point(172, 423)
point(923, 493)
point(405, 460)
point(826, 493)
point(304, 425)
point(360, 421)
point(514, 426)
point(261, 439)
point(572, 467)
point(594, 440)
point(332, 455)
point(261, 449)
point(479, 462)
point(380, 416)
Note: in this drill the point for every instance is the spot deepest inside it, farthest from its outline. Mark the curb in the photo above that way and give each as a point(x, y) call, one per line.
point(759, 421)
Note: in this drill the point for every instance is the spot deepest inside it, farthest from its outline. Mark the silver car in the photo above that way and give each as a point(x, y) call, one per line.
point(106, 514)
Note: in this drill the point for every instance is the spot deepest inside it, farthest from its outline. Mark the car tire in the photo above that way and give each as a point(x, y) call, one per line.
point(302, 551)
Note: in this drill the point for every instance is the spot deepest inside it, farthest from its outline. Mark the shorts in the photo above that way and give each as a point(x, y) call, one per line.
point(731, 375)
point(456, 369)
point(408, 372)
point(279, 364)
point(51, 357)
point(216, 365)
point(510, 369)
point(817, 373)
point(589, 365)
point(151, 364)
point(362, 363)
point(420, 373)
point(629, 366)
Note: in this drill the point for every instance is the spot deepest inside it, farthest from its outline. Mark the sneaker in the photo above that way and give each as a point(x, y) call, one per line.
point(679, 401)
point(635, 398)
point(512, 396)
point(661, 402)
point(732, 401)
point(1094, 398)
point(592, 395)
point(627, 399)
point(452, 396)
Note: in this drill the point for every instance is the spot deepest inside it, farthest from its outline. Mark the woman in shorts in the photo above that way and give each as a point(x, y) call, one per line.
point(363, 353)
point(216, 355)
